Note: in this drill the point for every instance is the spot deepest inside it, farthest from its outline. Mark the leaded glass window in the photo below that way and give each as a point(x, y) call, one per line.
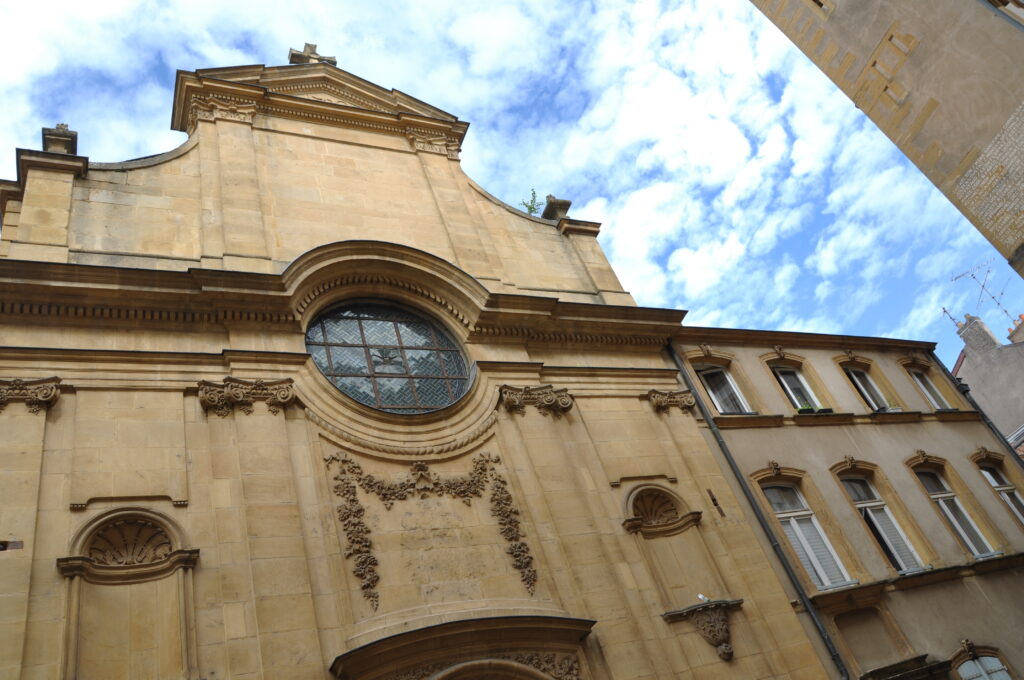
point(388, 358)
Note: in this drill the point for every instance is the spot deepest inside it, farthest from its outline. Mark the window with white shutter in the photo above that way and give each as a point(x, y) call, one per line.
point(723, 390)
point(1007, 491)
point(882, 524)
point(805, 536)
point(954, 514)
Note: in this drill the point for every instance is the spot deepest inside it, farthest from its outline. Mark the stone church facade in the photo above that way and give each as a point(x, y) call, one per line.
point(298, 399)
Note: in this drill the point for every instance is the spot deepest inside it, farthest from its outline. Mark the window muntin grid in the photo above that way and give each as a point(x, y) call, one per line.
point(388, 358)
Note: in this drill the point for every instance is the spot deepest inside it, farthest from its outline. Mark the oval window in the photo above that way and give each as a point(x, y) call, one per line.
point(388, 358)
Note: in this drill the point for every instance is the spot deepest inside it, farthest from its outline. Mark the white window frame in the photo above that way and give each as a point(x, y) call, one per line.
point(865, 386)
point(815, 402)
point(1006, 490)
point(942, 500)
point(790, 517)
point(732, 384)
point(931, 392)
point(979, 672)
point(865, 509)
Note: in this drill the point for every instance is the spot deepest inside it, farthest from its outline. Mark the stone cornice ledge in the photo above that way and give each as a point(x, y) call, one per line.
point(86, 568)
point(742, 420)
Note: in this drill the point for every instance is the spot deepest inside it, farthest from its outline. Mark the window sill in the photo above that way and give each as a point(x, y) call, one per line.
point(883, 417)
point(956, 415)
point(820, 418)
point(728, 422)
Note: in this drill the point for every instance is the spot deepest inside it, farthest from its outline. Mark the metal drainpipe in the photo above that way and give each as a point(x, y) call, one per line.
point(966, 391)
point(766, 527)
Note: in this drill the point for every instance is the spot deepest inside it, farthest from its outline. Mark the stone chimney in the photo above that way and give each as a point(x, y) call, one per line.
point(976, 335)
point(1017, 332)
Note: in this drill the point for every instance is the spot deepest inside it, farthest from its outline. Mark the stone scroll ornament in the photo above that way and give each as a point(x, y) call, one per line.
point(421, 481)
point(37, 394)
point(224, 396)
point(547, 399)
point(664, 401)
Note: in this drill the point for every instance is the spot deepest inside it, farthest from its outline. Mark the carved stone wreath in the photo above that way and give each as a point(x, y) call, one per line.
point(222, 397)
point(546, 398)
point(37, 394)
point(421, 481)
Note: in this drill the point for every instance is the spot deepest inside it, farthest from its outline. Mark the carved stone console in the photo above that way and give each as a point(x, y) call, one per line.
point(36, 394)
point(711, 619)
point(547, 399)
point(224, 396)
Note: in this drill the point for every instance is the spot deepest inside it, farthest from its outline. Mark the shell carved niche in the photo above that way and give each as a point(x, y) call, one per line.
point(129, 542)
point(656, 513)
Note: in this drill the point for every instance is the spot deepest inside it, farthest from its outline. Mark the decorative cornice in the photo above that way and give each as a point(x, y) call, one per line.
point(535, 335)
point(94, 572)
point(983, 455)
point(222, 397)
point(547, 399)
point(922, 457)
point(218, 108)
point(379, 279)
point(421, 481)
point(455, 445)
point(36, 394)
point(664, 401)
point(711, 619)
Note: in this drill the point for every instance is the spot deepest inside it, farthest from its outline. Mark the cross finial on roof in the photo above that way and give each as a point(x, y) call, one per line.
point(308, 55)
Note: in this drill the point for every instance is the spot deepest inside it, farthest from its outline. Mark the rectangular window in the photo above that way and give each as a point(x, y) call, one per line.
point(1005, 489)
point(866, 388)
point(798, 392)
point(882, 524)
point(723, 391)
point(933, 395)
point(806, 537)
point(954, 514)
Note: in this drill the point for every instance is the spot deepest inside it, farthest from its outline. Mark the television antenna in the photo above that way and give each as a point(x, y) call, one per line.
point(983, 285)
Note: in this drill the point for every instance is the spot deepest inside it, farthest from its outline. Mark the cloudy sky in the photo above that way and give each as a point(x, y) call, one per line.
point(731, 177)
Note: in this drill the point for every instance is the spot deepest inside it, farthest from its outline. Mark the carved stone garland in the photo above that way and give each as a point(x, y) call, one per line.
point(711, 619)
point(222, 397)
point(37, 394)
point(558, 666)
point(546, 398)
point(664, 401)
point(423, 482)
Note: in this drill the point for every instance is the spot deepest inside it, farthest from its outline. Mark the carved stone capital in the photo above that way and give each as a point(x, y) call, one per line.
point(546, 398)
point(711, 619)
point(222, 397)
point(664, 401)
point(215, 108)
point(37, 394)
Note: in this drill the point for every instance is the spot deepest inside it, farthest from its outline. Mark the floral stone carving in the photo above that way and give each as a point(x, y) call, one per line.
point(37, 394)
point(546, 398)
point(711, 619)
point(664, 401)
point(222, 397)
point(421, 481)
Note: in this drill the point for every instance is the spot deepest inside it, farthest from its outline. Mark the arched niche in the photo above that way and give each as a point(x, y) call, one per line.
point(668, 536)
point(490, 669)
point(129, 599)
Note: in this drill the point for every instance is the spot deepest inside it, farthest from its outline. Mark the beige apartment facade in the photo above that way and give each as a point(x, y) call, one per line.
point(895, 504)
point(944, 80)
point(300, 400)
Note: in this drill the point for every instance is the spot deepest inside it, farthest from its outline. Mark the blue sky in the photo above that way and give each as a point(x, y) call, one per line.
point(731, 177)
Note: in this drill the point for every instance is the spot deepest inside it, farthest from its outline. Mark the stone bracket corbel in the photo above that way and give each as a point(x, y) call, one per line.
point(222, 397)
point(711, 619)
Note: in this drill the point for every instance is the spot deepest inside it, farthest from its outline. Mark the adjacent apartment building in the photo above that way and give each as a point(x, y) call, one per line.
point(298, 399)
point(944, 80)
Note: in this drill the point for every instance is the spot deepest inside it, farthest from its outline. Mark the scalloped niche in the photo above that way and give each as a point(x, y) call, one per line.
point(129, 601)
